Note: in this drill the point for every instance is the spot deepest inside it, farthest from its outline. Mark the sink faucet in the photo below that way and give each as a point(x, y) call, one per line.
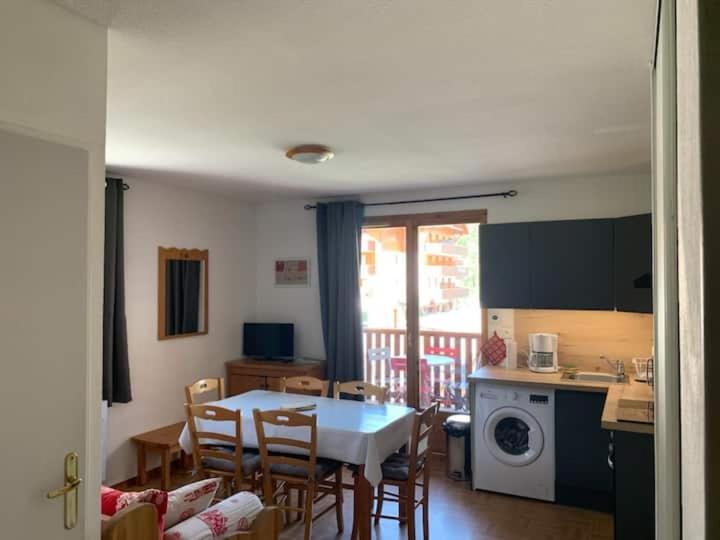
point(618, 366)
point(620, 369)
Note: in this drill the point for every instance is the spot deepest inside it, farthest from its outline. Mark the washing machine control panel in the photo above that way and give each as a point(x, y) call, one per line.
point(517, 397)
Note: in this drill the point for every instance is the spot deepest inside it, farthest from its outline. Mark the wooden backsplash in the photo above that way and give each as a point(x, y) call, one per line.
point(584, 336)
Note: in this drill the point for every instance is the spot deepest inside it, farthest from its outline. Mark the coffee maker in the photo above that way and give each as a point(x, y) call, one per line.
point(542, 357)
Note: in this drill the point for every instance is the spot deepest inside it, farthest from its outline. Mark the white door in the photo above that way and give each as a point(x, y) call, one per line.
point(43, 332)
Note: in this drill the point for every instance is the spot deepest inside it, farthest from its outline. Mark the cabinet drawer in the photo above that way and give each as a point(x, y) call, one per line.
point(273, 383)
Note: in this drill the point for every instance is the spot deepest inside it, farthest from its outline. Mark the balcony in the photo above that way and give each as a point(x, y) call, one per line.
point(446, 383)
point(444, 248)
point(453, 293)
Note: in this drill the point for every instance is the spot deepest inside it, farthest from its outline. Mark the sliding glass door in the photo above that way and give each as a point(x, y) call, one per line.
point(422, 320)
point(383, 288)
point(450, 320)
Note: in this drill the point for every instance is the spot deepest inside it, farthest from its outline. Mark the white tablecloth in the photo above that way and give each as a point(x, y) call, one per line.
point(348, 431)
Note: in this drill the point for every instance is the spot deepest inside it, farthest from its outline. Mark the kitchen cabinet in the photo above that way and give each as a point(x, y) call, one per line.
point(572, 264)
point(505, 265)
point(633, 461)
point(582, 475)
point(593, 264)
point(633, 263)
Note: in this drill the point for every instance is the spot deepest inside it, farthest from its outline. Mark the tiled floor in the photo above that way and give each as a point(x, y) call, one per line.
point(456, 512)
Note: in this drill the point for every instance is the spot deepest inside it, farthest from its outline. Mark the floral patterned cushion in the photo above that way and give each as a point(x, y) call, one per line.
point(185, 502)
point(113, 500)
point(225, 519)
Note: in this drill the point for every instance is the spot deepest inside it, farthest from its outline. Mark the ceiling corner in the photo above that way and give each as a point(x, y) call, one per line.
point(98, 11)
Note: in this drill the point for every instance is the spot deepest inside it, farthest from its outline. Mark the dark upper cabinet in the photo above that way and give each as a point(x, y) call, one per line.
point(633, 264)
point(582, 475)
point(572, 264)
point(505, 265)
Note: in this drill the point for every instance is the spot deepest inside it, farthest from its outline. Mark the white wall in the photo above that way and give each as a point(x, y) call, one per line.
point(159, 215)
point(53, 67)
point(285, 229)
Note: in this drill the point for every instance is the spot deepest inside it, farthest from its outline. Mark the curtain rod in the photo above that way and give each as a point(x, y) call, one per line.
point(503, 194)
point(125, 187)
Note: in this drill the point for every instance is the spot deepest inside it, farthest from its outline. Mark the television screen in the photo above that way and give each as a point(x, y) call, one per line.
point(269, 340)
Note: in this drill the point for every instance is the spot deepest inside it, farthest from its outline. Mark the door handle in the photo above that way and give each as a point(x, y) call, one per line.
point(67, 488)
point(69, 491)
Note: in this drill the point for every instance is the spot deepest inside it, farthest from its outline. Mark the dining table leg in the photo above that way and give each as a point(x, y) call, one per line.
point(363, 505)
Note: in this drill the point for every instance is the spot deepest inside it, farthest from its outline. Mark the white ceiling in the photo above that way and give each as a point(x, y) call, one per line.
point(409, 93)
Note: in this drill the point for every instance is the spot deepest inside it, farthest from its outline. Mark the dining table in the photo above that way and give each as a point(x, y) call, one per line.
point(354, 432)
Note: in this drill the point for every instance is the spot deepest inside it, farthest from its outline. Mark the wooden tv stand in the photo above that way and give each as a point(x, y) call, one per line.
point(246, 374)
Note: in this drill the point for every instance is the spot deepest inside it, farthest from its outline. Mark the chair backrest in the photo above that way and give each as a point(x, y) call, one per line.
point(202, 386)
point(305, 385)
point(205, 441)
point(379, 354)
point(137, 522)
point(398, 364)
point(302, 446)
point(451, 352)
point(423, 426)
point(361, 388)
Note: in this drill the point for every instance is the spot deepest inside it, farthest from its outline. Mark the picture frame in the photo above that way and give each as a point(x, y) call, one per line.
point(292, 272)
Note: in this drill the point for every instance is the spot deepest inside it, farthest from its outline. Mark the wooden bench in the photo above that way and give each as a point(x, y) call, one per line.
point(164, 441)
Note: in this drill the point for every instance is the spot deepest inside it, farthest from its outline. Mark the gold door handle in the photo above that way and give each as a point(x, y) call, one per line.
point(67, 488)
point(70, 490)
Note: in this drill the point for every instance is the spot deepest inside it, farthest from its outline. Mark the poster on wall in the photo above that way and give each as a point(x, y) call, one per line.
point(292, 273)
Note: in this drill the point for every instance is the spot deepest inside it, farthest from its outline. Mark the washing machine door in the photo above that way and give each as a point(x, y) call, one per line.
point(513, 436)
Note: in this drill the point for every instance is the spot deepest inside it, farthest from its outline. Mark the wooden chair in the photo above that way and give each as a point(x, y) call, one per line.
point(367, 390)
point(202, 386)
point(236, 466)
point(361, 388)
point(306, 472)
point(404, 470)
point(304, 385)
point(136, 522)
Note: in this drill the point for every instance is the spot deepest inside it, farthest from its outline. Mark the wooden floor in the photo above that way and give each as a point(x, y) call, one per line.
point(456, 512)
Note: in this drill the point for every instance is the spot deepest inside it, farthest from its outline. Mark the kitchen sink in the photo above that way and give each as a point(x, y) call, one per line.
point(594, 376)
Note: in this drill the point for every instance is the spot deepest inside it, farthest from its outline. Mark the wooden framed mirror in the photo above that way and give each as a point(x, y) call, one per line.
point(182, 292)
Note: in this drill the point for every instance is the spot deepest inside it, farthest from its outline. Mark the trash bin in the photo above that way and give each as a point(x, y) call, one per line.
point(457, 428)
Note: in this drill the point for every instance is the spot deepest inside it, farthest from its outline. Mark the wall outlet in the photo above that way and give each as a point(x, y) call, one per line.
point(502, 322)
point(506, 333)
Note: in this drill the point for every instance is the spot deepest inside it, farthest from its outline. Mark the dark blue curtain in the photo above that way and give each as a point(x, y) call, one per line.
point(116, 368)
point(339, 232)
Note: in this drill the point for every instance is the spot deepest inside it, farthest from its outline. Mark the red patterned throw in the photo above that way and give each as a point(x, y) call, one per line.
point(494, 350)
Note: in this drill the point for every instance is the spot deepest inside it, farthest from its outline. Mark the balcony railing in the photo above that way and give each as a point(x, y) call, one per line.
point(446, 383)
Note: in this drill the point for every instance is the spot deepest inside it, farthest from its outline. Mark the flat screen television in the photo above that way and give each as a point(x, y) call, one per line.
point(269, 341)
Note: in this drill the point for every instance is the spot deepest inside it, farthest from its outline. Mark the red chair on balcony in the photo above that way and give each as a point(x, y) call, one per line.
point(449, 352)
point(398, 364)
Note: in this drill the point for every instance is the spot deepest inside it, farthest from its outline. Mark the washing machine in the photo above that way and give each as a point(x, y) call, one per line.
point(513, 434)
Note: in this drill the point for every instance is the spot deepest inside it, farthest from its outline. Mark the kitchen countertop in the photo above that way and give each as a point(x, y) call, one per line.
point(614, 391)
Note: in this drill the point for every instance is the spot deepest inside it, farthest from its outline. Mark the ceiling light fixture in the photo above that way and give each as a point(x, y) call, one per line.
point(310, 153)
